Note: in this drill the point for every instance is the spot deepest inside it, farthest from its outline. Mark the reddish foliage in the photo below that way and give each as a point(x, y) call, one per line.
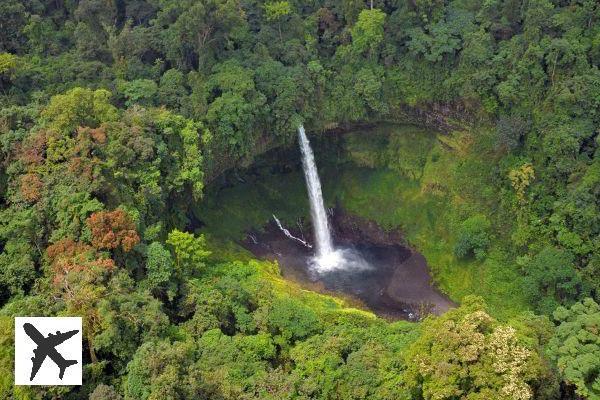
point(98, 135)
point(83, 168)
point(68, 256)
point(33, 150)
point(67, 248)
point(31, 187)
point(111, 229)
point(88, 137)
point(84, 164)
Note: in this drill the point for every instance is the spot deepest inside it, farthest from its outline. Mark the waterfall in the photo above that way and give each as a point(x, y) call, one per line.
point(317, 207)
point(328, 258)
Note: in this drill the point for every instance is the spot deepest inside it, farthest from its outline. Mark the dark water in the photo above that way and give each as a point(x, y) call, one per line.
point(397, 286)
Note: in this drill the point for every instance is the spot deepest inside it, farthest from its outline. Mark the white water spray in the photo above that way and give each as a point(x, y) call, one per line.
point(327, 258)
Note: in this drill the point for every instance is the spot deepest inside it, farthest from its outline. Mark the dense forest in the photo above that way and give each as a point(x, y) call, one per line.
point(117, 115)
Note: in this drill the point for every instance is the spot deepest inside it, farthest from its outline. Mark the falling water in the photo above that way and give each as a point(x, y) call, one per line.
point(317, 207)
point(327, 258)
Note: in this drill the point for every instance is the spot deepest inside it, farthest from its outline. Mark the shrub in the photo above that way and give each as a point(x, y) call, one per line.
point(473, 238)
point(139, 91)
point(292, 320)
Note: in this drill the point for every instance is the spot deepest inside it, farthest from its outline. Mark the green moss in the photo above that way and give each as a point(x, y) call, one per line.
point(403, 148)
point(231, 212)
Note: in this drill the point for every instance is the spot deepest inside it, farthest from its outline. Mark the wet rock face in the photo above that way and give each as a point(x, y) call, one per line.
point(350, 229)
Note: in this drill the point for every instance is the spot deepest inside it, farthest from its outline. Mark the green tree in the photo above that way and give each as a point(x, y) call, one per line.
point(162, 370)
point(231, 118)
point(17, 267)
point(13, 17)
point(367, 33)
point(466, 353)
point(127, 319)
point(232, 364)
point(42, 37)
point(139, 91)
point(105, 392)
point(196, 31)
point(289, 321)
point(190, 251)
point(369, 86)
point(159, 265)
point(158, 156)
point(473, 237)
point(8, 64)
point(79, 107)
point(233, 114)
point(287, 93)
point(552, 280)
point(19, 241)
point(277, 11)
point(172, 91)
point(575, 346)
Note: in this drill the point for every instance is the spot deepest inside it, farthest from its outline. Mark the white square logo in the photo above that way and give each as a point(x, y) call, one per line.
point(48, 351)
